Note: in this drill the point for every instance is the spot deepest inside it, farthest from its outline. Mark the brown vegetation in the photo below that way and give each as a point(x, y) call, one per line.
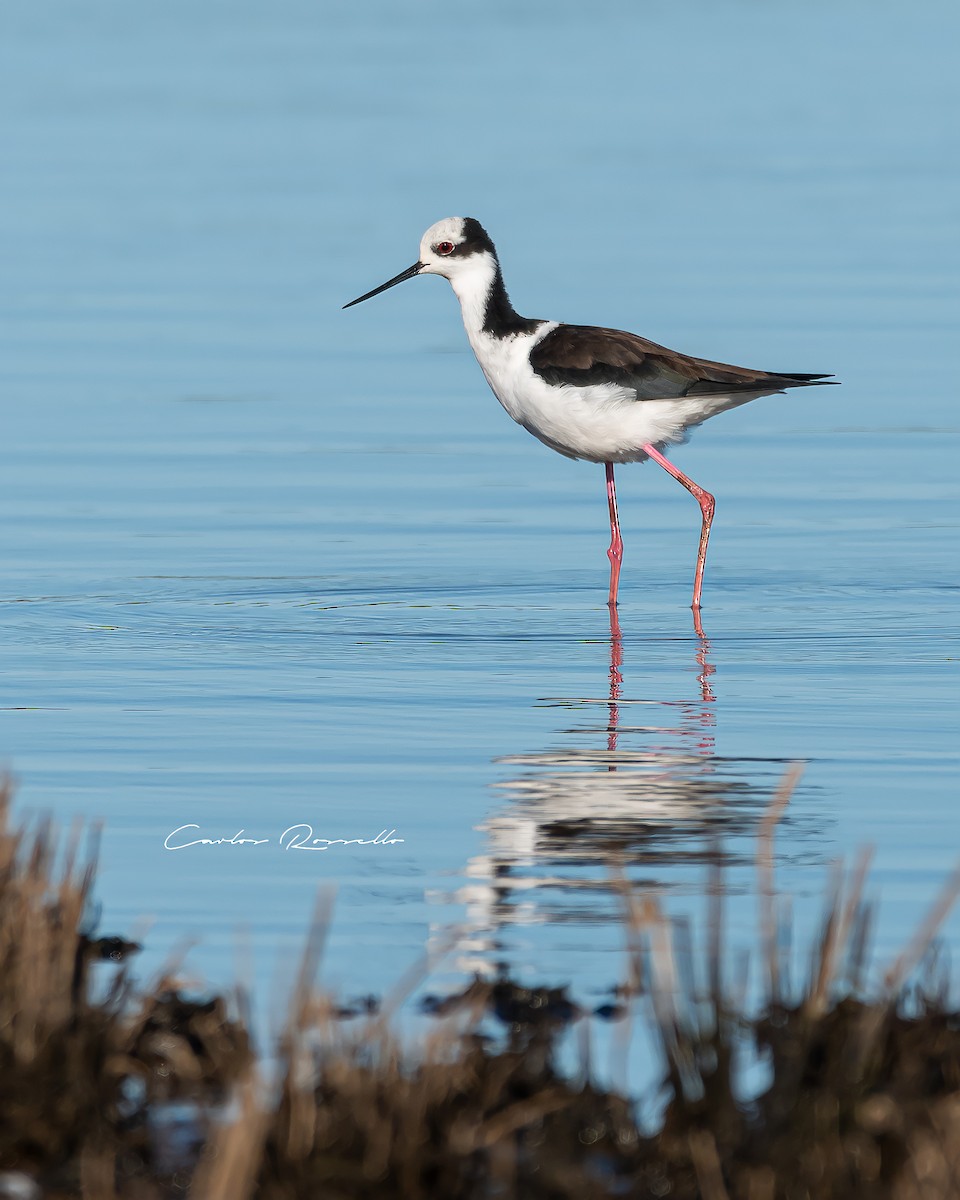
point(864, 1098)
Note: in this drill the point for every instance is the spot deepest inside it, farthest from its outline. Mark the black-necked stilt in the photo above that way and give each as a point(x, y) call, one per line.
point(586, 392)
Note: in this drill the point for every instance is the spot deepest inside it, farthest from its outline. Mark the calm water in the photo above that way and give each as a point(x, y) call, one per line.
point(267, 564)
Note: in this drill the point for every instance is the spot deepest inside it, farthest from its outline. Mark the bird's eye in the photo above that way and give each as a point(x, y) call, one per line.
point(444, 247)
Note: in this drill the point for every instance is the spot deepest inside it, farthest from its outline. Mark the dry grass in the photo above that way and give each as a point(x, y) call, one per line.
point(81, 1065)
point(864, 1096)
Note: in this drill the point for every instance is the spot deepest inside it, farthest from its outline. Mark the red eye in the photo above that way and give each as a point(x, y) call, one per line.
point(444, 247)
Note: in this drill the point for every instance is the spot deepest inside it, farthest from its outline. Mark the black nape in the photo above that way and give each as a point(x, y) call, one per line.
point(500, 318)
point(475, 240)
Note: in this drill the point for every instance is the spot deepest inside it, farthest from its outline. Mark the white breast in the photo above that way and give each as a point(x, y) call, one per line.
point(600, 423)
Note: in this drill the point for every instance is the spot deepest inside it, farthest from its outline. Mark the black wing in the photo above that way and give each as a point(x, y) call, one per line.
point(585, 354)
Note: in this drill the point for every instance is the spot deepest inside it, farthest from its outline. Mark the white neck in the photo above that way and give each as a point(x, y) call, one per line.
point(472, 283)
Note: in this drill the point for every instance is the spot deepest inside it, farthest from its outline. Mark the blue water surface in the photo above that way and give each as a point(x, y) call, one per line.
point(266, 563)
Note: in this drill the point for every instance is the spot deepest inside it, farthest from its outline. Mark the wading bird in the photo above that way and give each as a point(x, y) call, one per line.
point(598, 394)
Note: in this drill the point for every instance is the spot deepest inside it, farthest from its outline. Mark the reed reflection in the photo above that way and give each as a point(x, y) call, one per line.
point(645, 788)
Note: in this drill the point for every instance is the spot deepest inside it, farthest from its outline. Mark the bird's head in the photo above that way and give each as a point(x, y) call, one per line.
point(458, 248)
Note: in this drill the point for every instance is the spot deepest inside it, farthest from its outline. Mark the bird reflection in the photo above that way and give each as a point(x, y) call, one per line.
point(707, 719)
point(652, 796)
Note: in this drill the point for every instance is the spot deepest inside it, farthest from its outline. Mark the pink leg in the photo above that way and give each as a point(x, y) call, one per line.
point(708, 506)
point(615, 553)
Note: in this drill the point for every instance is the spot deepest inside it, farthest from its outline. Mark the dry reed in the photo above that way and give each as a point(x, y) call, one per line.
point(863, 1098)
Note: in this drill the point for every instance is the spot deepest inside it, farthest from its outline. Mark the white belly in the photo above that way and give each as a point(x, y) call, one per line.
point(599, 423)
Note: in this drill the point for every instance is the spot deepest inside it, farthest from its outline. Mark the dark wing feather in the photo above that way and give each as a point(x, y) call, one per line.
point(584, 354)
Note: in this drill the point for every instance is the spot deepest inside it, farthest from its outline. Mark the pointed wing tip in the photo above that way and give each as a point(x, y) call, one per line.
point(792, 380)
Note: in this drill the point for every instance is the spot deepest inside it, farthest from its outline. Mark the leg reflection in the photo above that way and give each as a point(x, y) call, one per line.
point(616, 681)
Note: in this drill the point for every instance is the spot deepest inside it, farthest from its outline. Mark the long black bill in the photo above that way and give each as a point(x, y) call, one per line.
point(407, 274)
